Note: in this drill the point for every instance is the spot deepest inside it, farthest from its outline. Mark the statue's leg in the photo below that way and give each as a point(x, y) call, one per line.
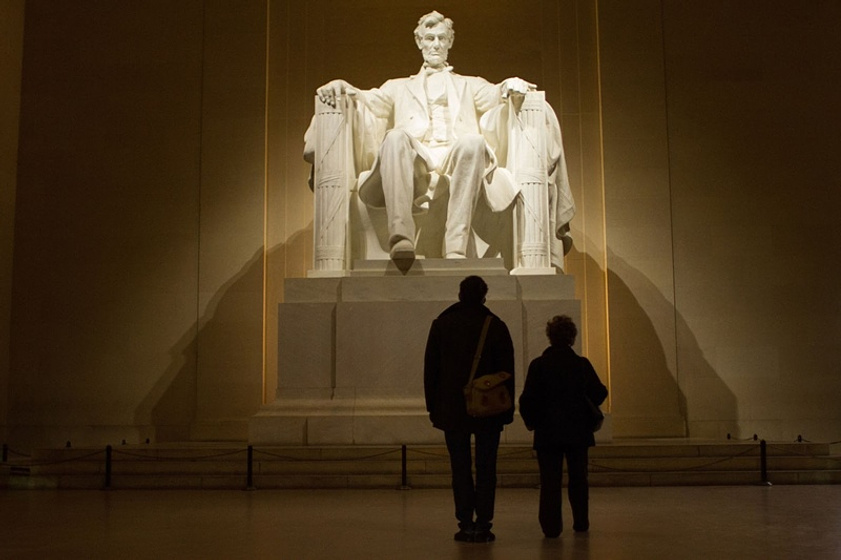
point(397, 157)
point(467, 163)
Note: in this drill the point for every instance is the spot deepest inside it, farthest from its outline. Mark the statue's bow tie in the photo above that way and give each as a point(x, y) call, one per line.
point(430, 70)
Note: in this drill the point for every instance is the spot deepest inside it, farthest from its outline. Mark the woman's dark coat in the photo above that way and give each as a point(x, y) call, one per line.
point(450, 348)
point(553, 400)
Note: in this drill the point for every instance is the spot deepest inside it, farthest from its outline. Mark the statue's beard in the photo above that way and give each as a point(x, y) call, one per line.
point(438, 58)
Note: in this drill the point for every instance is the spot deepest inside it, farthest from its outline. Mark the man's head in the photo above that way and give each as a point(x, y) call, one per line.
point(561, 331)
point(472, 290)
point(434, 36)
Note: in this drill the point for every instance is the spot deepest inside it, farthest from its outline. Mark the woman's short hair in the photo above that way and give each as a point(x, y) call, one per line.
point(561, 331)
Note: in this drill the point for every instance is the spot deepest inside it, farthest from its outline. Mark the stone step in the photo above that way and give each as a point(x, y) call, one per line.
point(636, 463)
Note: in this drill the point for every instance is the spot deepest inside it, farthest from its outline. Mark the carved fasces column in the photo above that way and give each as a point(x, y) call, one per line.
point(527, 161)
point(332, 181)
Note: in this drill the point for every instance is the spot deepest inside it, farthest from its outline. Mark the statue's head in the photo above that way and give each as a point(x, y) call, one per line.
point(434, 36)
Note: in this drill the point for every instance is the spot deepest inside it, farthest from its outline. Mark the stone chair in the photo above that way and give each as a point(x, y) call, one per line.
point(530, 235)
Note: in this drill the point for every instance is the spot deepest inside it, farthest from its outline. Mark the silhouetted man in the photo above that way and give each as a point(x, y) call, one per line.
point(453, 339)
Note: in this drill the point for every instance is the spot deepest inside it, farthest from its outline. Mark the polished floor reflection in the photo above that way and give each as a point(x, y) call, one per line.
point(738, 522)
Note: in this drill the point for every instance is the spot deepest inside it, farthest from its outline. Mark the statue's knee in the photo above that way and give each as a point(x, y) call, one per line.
point(395, 138)
point(471, 143)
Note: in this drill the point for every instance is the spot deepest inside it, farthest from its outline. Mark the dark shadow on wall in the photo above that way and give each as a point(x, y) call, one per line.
point(685, 398)
point(171, 406)
point(646, 393)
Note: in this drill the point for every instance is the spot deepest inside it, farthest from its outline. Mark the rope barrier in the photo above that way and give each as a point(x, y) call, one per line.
point(402, 454)
point(428, 453)
point(754, 437)
point(181, 458)
point(11, 451)
point(687, 469)
point(801, 440)
point(792, 452)
point(58, 461)
point(335, 459)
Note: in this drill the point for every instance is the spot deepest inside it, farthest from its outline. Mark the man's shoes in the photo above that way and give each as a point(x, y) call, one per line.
point(464, 535)
point(484, 536)
point(403, 250)
point(470, 533)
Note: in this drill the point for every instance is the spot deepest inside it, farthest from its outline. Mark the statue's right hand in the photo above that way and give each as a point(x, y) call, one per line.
point(331, 91)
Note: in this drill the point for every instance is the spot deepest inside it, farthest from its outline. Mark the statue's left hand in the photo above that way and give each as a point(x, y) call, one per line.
point(516, 86)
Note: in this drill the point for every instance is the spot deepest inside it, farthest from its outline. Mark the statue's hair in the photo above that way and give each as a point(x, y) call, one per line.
point(429, 21)
point(561, 331)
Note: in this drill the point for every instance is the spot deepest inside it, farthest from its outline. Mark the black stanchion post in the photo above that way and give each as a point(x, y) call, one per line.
point(763, 462)
point(5, 452)
point(249, 482)
point(404, 475)
point(107, 467)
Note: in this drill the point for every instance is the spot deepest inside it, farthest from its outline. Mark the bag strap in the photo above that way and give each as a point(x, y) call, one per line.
point(479, 349)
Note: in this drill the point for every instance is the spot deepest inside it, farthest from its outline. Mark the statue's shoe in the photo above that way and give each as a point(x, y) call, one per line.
point(403, 250)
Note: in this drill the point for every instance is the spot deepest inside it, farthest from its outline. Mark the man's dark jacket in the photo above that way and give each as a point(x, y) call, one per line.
point(450, 348)
point(553, 400)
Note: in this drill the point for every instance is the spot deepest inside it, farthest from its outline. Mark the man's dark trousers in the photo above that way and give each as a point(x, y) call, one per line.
point(469, 497)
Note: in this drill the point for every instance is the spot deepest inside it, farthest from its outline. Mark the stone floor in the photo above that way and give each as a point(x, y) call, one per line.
point(734, 522)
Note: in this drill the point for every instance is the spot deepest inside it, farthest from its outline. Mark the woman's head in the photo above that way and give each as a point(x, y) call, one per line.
point(561, 331)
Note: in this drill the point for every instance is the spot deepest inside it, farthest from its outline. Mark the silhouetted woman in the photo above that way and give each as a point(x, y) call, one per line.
point(554, 405)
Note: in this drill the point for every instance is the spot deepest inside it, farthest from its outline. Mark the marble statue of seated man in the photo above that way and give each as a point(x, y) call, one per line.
point(441, 124)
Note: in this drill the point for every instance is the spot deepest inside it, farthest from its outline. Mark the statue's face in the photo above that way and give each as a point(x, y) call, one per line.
point(435, 45)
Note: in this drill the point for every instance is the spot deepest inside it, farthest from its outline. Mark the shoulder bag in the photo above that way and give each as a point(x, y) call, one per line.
point(487, 395)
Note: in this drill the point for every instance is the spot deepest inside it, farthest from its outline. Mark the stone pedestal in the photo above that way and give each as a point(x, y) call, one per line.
point(350, 349)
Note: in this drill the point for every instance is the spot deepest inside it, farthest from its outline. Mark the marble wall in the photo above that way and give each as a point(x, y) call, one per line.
point(138, 284)
point(721, 180)
point(161, 202)
point(11, 56)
